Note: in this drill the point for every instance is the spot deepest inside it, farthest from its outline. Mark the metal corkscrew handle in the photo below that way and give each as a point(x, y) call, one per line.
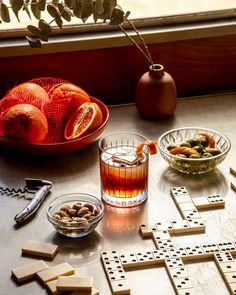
point(34, 204)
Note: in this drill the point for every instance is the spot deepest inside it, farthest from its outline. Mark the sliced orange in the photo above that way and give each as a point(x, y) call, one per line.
point(151, 145)
point(209, 138)
point(86, 119)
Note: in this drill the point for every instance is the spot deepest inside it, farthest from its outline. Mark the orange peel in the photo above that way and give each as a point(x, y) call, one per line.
point(151, 145)
point(184, 151)
point(209, 138)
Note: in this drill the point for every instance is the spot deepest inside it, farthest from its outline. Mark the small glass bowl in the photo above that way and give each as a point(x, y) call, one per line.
point(192, 165)
point(74, 229)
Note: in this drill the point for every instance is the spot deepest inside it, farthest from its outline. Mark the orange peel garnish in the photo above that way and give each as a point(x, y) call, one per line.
point(151, 145)
point(209, 138)
point(184, 151)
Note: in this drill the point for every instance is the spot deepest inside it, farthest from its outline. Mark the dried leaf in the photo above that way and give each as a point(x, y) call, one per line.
point(44, 36)
point(77, 9)
point(44, 26)
point(34, 30)
point(70, 3)
point(108, 6)
point(65, 12)
point(16, 5)
point(87, 9)
point(5, 16)
point(53, 11)
point(117, 17)
point(34, 42)
point(59, 22)
point(41, 5)
point(98, 6)
point(26, 8)
point(35, 9)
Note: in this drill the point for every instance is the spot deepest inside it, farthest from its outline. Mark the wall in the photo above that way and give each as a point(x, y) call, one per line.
point(198, 67)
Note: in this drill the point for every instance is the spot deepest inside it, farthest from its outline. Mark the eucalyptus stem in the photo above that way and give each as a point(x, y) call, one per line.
point(142, 40)
point(147, 55)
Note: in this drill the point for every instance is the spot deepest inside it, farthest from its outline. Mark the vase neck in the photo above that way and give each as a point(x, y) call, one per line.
point(156, 70)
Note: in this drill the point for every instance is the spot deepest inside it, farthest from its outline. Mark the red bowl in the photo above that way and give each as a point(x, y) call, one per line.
point(61, 147)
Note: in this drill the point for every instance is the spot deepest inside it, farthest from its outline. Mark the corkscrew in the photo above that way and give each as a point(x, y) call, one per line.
point(39, 187)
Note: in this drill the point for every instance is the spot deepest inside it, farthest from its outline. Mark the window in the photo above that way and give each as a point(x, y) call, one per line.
point(145, 13)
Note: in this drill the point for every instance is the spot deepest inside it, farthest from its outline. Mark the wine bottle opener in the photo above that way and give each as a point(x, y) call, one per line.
point(41, 188)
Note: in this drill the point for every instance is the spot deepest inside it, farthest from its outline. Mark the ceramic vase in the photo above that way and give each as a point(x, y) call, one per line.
point(156, 95)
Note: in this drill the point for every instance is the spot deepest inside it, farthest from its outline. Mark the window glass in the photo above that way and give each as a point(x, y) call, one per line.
point(141, 9)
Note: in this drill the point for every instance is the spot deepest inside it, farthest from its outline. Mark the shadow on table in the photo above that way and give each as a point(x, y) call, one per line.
point(213, 182)
point(78, 251)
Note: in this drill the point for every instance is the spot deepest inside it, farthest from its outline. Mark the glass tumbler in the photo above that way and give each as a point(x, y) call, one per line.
point(124, 176)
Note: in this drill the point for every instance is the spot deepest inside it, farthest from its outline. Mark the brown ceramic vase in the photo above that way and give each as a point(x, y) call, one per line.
point(156, 95)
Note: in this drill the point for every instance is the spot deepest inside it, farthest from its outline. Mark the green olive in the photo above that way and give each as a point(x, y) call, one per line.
point(213, 151)
point(171, 146)
point(204, 141)
point(185, 144)
point(193, 156)
point(199, 148)
point(182, 156)
point(194, 141)
point(207, 155)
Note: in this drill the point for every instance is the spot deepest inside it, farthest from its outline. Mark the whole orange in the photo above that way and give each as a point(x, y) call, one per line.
point(72, 95)
point(26, 123)
point(27, 92)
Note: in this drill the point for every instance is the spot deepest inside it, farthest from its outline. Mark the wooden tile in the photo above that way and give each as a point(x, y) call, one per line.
point(174, 263)
point(190, 291)
point(94, 292)
point(37, 248)
point(233, 186)
point(109, 255)
point(29, 270)
point(74, 283)
point(145, 258)
point(227, 246)
point(232, 171)
point(178, 252)
point(164, 244)
point(227, 266)
point(179, 272)
point(161, 255)
point(210, 249)
point(52, 273)
point(129, 260)
point(187, 206)
point(115, 275)
point(164, 225)
point(161, 235)
point(216, 200)
point(120, 287)
point(190, 214)
point(147, 230)
point(201, 202)
point(112, 264)
point(195, 252)
point(182, 283)
point(196, 225)
point(223, 257)
point(180, 226)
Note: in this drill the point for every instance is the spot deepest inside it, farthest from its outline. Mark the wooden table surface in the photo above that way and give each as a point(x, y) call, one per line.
point(79, 172)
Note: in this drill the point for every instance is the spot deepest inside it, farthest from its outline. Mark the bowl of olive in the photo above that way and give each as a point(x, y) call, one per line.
point(193, 150)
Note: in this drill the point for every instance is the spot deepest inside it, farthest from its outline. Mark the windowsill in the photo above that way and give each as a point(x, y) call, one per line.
point(108, 39)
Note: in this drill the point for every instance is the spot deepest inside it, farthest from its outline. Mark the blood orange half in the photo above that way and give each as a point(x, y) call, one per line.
point(86, 119)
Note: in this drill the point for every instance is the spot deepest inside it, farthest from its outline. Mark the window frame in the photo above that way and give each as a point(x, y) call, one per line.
point(102, 35)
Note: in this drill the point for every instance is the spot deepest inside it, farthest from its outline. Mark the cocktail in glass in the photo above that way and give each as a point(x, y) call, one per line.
point(124, 174)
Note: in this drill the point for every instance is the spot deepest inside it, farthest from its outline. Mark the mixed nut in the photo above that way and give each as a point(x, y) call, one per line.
point(79, 213)
point(203, 146)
